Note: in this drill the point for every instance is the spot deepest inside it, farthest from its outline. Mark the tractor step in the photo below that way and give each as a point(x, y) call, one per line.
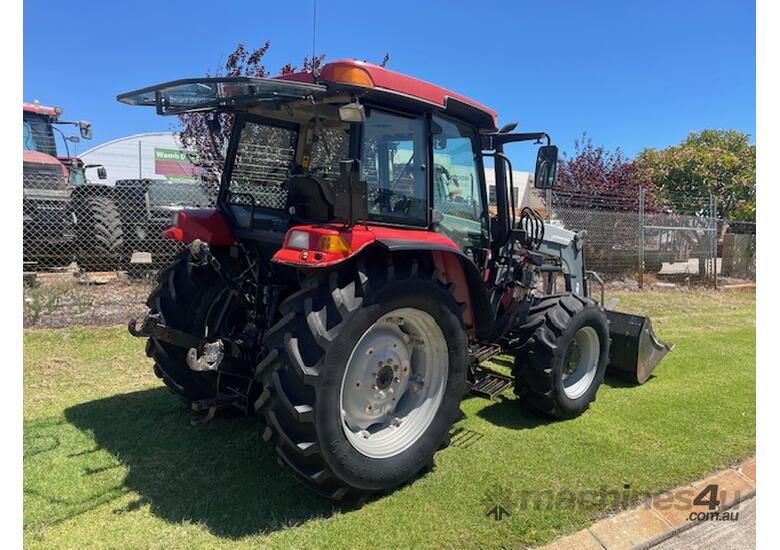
point(217, 402)
point(483, 353)
point(489, 384)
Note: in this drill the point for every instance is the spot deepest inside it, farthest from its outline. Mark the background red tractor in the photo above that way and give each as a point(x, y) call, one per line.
point(65, 217)
point(351, 279)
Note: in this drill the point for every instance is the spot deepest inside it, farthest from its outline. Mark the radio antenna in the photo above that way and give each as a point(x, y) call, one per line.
point(313, 33)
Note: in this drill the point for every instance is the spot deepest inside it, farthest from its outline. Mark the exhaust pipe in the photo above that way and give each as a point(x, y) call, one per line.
point(635, 349)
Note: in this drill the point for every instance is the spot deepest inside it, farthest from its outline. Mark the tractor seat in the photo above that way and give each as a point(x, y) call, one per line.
point(309, 199)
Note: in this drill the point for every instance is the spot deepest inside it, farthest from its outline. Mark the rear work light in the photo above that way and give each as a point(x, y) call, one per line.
point(299, 240)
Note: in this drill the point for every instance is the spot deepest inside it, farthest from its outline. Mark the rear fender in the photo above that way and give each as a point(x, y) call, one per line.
point(455, 268)
point(329, 244)
point(322, 245)
point(206, 224)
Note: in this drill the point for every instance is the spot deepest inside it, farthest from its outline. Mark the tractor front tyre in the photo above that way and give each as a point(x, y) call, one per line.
point(99, 230)
point(561, 363)
point(364, 376)
point(195, 300)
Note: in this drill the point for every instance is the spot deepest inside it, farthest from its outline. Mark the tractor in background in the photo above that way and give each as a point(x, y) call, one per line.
point(65, 216)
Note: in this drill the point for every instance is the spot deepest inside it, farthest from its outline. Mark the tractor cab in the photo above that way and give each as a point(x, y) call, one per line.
point(43, 167)
point(357, 146)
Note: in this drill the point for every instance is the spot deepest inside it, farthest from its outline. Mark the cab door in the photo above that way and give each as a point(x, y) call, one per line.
point(459, 209)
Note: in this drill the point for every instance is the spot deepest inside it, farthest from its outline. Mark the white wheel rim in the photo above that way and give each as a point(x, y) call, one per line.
point(581, 362)
point(394, 383)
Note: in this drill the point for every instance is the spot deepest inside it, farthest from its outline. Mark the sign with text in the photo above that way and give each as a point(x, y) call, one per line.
point(176, 164)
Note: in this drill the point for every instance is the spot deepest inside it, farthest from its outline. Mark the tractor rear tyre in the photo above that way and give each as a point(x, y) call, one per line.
point(561, 364)
point(99, 230)
point(195, 300)
point(364, 375)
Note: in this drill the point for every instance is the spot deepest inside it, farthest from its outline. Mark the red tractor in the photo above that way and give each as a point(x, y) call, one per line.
point(351, 279)
point(65, 217)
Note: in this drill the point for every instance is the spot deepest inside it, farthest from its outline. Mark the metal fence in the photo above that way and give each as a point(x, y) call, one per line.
point(634, 237)
point(646, 239)
point(104, 227)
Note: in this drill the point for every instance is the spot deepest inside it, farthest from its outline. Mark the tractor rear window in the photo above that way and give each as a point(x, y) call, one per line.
point(328, 148)
point(262, 164)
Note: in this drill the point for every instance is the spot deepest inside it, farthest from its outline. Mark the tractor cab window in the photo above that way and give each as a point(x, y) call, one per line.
point(458, 203)
point(263, 162)
point(328, 147)
point(37, 134)
point(393, 166)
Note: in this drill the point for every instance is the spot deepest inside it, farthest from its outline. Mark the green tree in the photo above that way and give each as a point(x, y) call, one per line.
point(721, 162)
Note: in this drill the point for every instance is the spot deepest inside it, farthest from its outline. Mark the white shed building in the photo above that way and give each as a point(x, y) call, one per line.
point(154, 156)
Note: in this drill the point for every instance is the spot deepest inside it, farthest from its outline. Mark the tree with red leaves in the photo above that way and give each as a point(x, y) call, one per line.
point(598, 179)
point(207, 135)
point(598, 190)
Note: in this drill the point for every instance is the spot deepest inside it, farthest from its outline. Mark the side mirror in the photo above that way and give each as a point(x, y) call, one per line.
point(85, 127)
point(101, 170)
point(546, 164)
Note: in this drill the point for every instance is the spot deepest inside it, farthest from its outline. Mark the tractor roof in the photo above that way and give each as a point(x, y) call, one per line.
point(38, 109)
point(378, 80)
point(355, 77)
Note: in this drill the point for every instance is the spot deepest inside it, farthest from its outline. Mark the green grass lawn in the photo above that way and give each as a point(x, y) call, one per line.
point(110, 457)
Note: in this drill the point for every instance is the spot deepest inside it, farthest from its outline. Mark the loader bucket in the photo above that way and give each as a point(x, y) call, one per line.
point(635, 350)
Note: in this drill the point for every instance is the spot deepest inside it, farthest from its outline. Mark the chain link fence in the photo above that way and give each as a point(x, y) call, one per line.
point(118, 227)
point(104, 227)
point(75, 226)
point(644, 239)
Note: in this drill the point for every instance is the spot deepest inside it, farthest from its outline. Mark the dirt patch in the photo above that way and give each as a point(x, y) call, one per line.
point(56, 300)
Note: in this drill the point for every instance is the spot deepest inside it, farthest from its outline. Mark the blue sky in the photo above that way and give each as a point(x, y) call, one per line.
point(630, 74)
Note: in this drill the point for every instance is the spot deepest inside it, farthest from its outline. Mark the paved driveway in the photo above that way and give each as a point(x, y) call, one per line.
point(719, 535)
